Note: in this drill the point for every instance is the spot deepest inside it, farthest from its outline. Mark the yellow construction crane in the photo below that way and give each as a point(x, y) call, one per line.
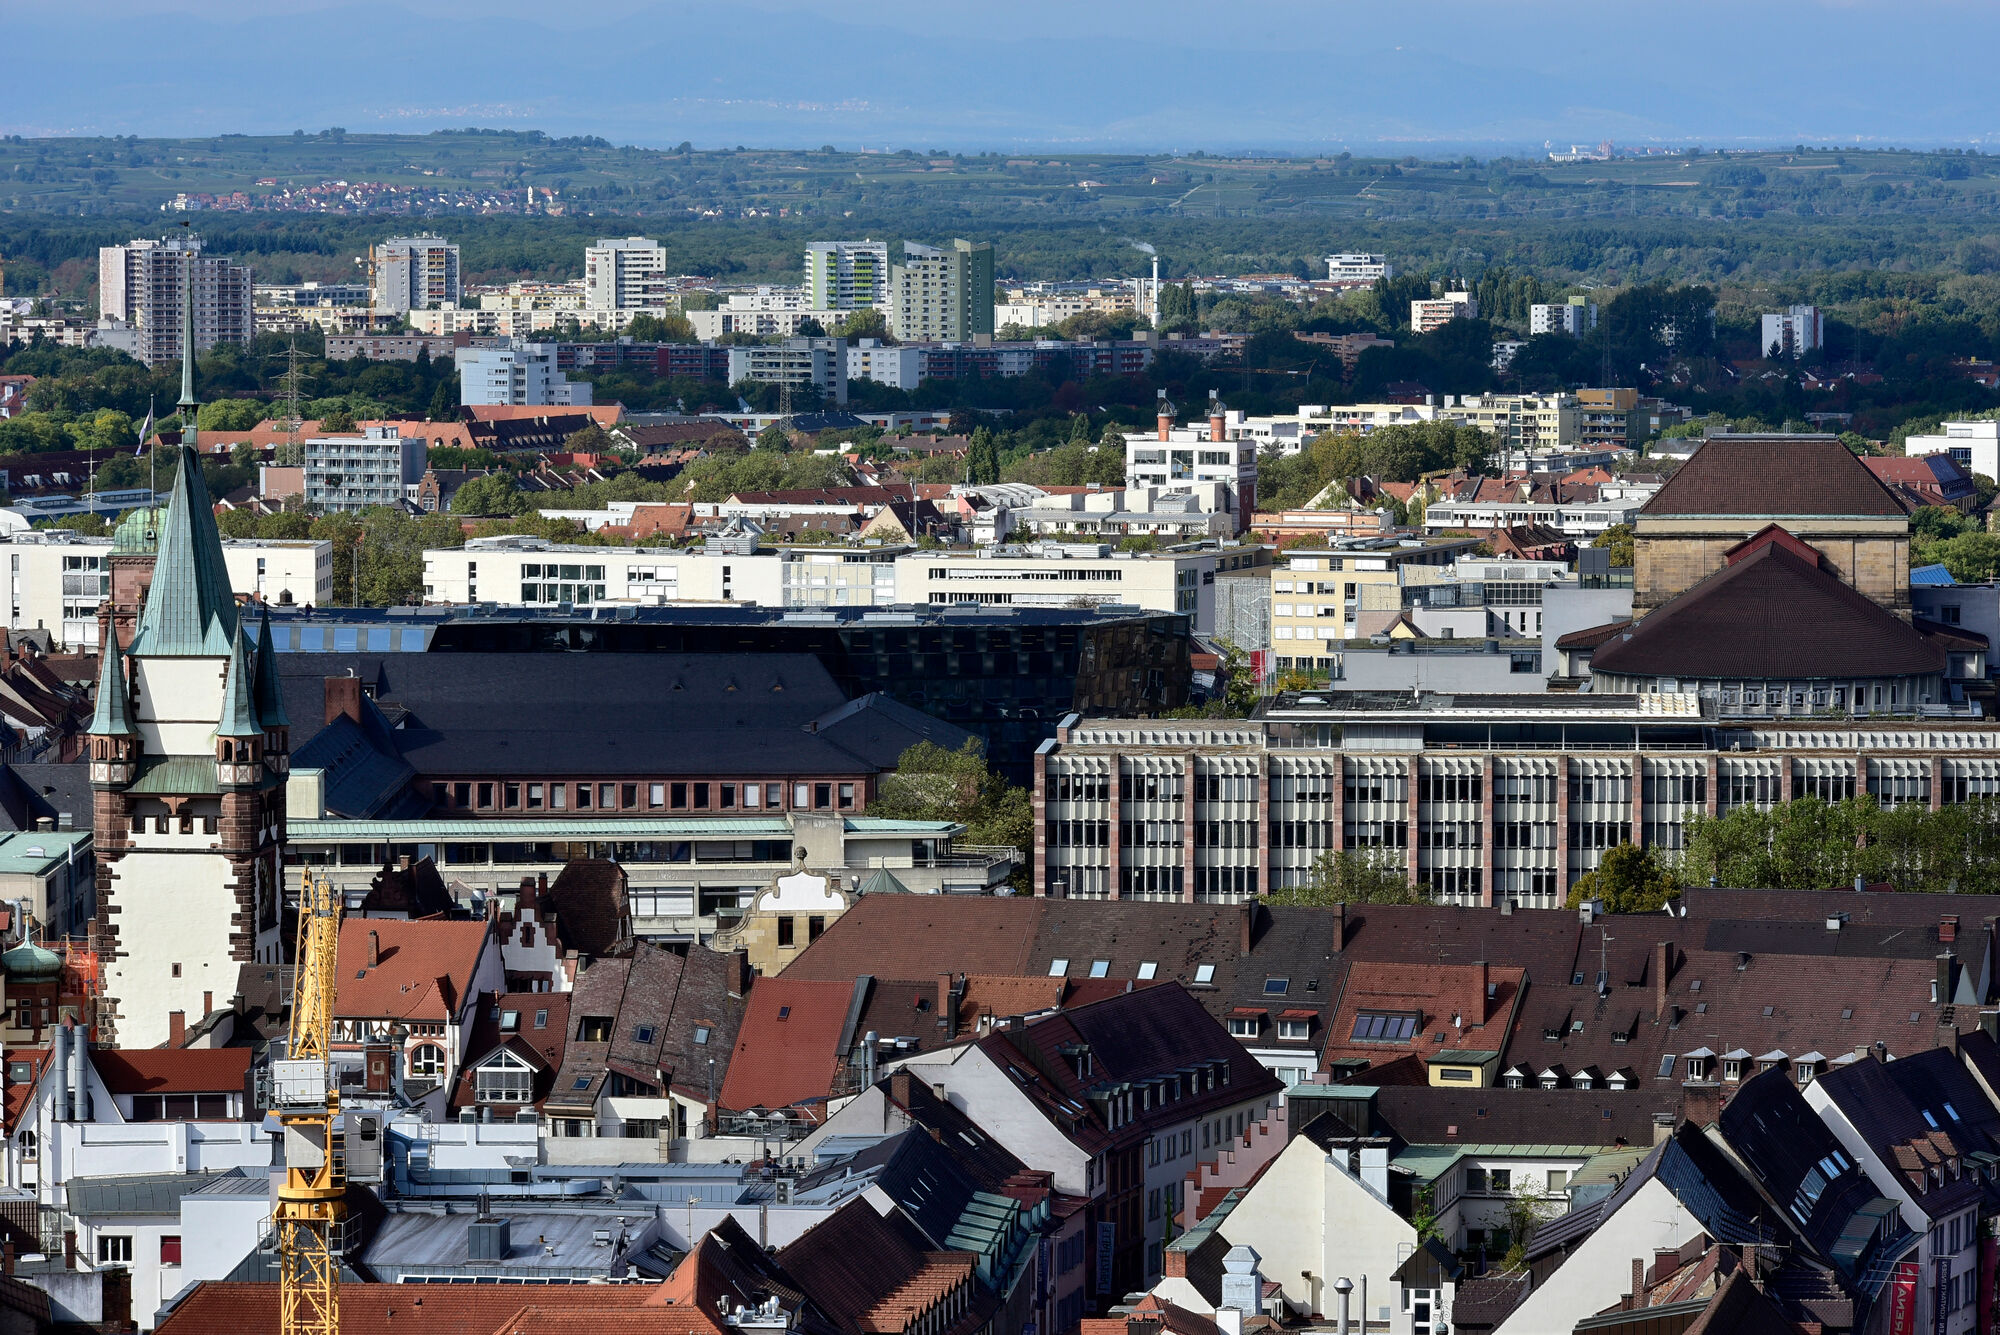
point(311, 1217)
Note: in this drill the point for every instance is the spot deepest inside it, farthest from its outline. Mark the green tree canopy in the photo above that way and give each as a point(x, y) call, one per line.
point(1628, 880)
point(492, 494)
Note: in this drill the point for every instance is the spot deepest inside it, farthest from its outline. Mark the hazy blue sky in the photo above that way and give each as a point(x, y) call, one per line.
point(1161, 74)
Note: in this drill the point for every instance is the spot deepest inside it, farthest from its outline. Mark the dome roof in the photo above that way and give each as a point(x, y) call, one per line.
point(138, 533)
point(30, 961)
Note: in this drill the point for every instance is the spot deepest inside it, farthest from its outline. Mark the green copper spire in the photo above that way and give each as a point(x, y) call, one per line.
point(114, 700)
point(239, 694)
point(270, 700)
point(190, 611)
point(189, 408)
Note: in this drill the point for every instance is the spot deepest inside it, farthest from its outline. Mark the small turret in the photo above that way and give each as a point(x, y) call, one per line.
point(239, 736)
point(114, 742)
point(270, 700)
point(1165, 413)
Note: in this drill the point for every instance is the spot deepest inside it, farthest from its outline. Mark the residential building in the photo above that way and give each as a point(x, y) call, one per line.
point(709, 326)
point(1580, 520)
point(389, 347)
point(1795, 332)
point(1519, 422)
point(377, 467)
point(1572, 319)
point(1360, 270)
point(892, 367)
point(1316, 594)
point(415, 273)
point(523, 375)
point(1430, 314)
point(940, 294)
point(623, 277)
point(57, 578)
point(847, 275)
point(141, 284)
point(816, 364)
point(1610, 419)
point(1974, 445)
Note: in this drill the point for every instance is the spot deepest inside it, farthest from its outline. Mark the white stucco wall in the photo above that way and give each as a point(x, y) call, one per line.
point(174, 907)
point(1599, 1273)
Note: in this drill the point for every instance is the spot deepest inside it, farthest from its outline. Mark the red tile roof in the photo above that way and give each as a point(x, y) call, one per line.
point(172, 1070)
point(434, 1309)
point(604, 414)
point(424, 970)
point(785, 1050)
point(1436, 994)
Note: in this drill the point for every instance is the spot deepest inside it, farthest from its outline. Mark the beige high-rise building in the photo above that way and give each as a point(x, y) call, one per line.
point(939, 295)
point(623, 277)
point(139, 283)
point(415, 273)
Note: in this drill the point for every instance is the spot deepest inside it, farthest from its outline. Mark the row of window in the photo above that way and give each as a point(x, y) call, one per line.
point(517, 796)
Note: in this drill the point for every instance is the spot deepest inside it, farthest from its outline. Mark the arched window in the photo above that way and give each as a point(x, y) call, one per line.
point(30, 1143)
point(426, 1062)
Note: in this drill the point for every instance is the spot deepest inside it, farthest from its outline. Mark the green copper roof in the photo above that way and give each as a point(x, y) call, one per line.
point(31, 961)
point(190, 610)
point(882, 882)
point(138, 534)
point(183, 776)
point(239, 692)
point(270, 700)
point(114, 699)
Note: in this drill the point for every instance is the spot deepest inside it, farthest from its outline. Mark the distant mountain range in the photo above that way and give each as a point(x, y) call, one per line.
point(1432, 75)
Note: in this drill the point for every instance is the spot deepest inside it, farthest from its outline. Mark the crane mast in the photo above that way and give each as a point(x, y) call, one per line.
point(311, 1214)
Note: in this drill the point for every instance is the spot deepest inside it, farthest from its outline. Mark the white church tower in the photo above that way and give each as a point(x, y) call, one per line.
point(188, 758)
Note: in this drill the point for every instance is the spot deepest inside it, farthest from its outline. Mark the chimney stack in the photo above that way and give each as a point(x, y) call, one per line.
point(1218, 419)
point(1663, 963)
point(1948, 929)
point(739, 973)
point(1340, 927)
point(374, 948)
point(1482, 1005)
point(343, 698)
point(1165, 414)
point(176, 1028)
point(947, 1007)
point(1638, 1294)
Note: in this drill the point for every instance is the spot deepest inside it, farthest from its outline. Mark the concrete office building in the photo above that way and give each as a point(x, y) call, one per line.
point(847, 275)
point(139, 284)
point(623, 277)
point(1075, 575)
point(523, 375)
point(56, 578)
point(1358, 269)
point(939, 294)
point(803, 363)
point(1177, 458)
point(534, 572)
point(1316, 595)
point(415, 273)
point(1482, 799)
point(1792, 332)
point(376, 467)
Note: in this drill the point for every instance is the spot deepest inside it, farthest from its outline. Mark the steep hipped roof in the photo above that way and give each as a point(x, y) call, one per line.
point(787, 1047)
point(270, 700)
point(1777, 477)
point(1771, 615)
point(424, 968)
point(114, 704)
point(190, 611)
point(239, 691)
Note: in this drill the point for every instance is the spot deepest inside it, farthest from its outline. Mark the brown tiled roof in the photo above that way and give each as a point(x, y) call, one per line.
point(1775, 476)
point(540, 1046)
point(604, 414)
point(1437, 994)
point(1432, 1116)
point(172, 1070)
point(387, 1309)
point(589, 901)
point(1592, 636)
point(875, 1274)
point(1771, 615)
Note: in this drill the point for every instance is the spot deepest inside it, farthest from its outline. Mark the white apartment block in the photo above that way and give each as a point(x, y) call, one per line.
point(56, 579)
point(415, 273)
point(709, 326)
point(1182, 458)
point(533, 572)
point(1974, 446)
point(1065, 575)
point(940, 294)
point(1573, 318)
point(1582, 520)
point(802, 363)
point(1793, 332)
point(897, 368)
point(1041, 310)
point(1358, 269)
point(625, 277)
point(140, 284)
point(376, 467)
point(1531, 422)
point(847, 275)
point(1434, 313)
point(524, 375)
